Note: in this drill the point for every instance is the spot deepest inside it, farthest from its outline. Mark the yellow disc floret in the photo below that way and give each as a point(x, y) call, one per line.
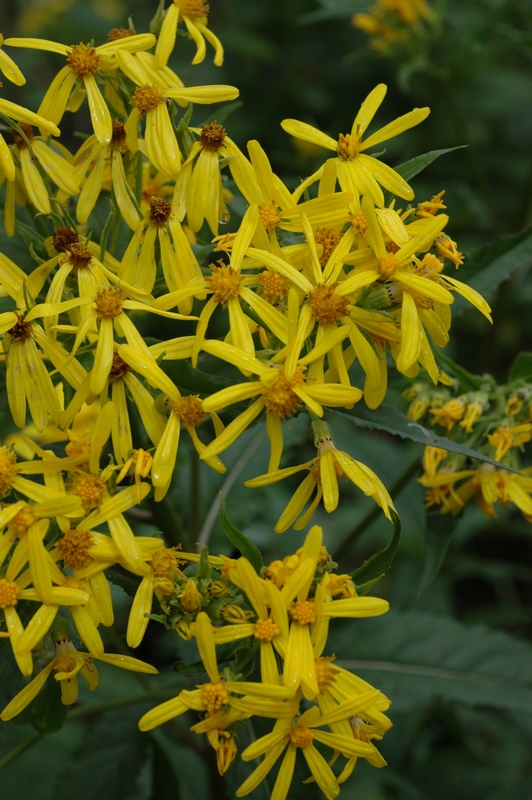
point(90, 488)
point(270, 216)
point(146, 98)
point(8, 468)
point(325, 672)
point(160, 211)
point(387, 265)
point(108, 303)
point(215, 695)
point(188, 409)
point(348, 146)
point(328, 238)
point(212, 136)
point(274, 285)
point(193, 9)
point(73, 548)
point(301, 737)
point(303, 612)
point(359, 223)
point(266, 630)
point(224, 283)
point(8, 593)
point(22, 521)
point(280, 399)
point(83, 60)
point(326, 305)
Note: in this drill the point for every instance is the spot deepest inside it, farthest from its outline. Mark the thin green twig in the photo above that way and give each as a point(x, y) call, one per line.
point(18, 751)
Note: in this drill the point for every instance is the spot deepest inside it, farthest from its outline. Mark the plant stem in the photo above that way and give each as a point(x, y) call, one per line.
point(18, 751)
point(402, 481)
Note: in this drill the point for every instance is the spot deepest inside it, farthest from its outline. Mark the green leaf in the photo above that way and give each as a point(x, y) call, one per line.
point(204, 568)
point(416, 165)
point(190, 670)
point(194, 381)
point(224, 652)
point(521, 369)
point(47, 713)
point(334, 9)
point(440, 531)
point(164, 781)
point(241, 542)
point(386, 418)
point(126, 580)
point(488, 267)
point(379, 563)
point(415, 657)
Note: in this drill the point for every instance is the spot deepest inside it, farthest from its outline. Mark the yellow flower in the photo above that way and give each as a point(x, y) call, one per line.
point(505, 438)
point(20, 114)
point(83, 63)
point(67, 664)
point(8, 67)
point(356, 170)
point(195, 14)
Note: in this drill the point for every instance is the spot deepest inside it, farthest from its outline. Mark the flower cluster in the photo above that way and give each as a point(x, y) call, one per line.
point(494, 419)
point(394, 26)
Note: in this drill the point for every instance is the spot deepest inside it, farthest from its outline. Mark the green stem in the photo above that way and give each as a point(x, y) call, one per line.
point(402, 481)
point(18, 751)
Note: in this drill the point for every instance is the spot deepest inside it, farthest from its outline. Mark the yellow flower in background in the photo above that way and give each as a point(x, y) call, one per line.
point(20, 114)
point(195, 15)
point(357, 171)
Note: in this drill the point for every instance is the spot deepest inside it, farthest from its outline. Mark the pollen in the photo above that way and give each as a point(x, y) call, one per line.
point(431, 264)
point(301, 737)
point(212, 136)
point(224, 282)
point(392, 248)
point(147, 98)
point(64, 238)
point(274, 286)
point(108, 303)
point(18, 139)
point(359, 223)
point(188, 409)
point(325, 672)
point(119, 367)
point(326, 305)
point(266, 630)
point(8, 593)
point(215, 695)
point(83, 60)
point(280, 399)
point(303, 612)
point(388, 265)
point(348, 146)
point(160, 210)
point(21, 330)
point(73, 548)
point(90, 488)
point(270, 216)
point(328, 238)
point(22, 521)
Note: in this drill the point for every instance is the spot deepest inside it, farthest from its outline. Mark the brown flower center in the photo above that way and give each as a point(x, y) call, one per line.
point(79, 256)
point(212, 136)
point(146, 98)
point(160, 210)
point(64, 238)
point(194, 9)
point(119, 33)
point(21, 330)
point(280, 399)
point(19, 140)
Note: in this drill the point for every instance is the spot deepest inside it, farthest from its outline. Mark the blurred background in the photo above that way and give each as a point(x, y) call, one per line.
point(471, 63)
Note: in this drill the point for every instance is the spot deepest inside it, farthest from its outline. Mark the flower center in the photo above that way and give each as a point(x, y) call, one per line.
point(430, 265)
point(188, 409)
point(118, 139)
point(108, 303)
point(18, 139)
point(274, 285)
point(119, 367)
point(147, 98)
point(270, 216)
point(74, 548)
point(22, 521)
point(194, 9)
point(266, 630)
point(8, 593)
point(8, 468)
point(64, 238)
point(21, 330)
point(80, 256)
point(280, 399)
point(212, 136)
point(90, 488)
point(224, 282)
point(387, 265)
point(119, 33)
point(359, 223)
point(303, 612)
point(348, 146)
point(301, 737)
point(83, 60)
point(325, 672)
point(215, 695)
point(160, 210)
point(326, 305)
point(328, 240)
point(164, 562)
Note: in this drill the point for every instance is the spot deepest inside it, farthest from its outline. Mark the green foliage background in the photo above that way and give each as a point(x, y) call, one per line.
point(454, 654)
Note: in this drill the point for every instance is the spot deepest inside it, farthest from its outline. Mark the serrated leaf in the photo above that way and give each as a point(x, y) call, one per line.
point(521, 369)
point(126, 580)
point(415, 657)
point(416, 165)
point(387, 418)
point(376, 566)
point(241, 542)
point(488, 267)
point(190, 670)
point(440, 531)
